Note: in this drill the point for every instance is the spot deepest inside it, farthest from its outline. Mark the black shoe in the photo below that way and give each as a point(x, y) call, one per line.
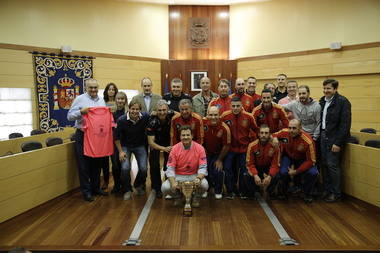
point(115, 190)
point(88, 197)
point(282, 197)
point(308, 199)
point(102, 193)
point(332, 198)
point(158, 194)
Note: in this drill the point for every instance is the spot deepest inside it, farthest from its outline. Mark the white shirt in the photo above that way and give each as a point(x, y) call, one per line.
point(328, 102)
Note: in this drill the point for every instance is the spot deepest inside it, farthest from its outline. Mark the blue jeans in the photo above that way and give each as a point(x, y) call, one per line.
point(215, 176)
point(331, 164)
point(307, 178)
point(235, 165)
point(141, 157)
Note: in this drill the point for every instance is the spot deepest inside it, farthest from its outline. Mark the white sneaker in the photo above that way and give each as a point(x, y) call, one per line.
point(168, 196)
point(127, 195)
point(218, 196)
point(204, 195)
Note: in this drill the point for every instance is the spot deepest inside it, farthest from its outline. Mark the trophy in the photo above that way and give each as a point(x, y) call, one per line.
point(187, 189)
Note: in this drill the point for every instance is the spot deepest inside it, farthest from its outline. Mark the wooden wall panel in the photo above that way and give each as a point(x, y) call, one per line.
point(217, 69)
point(358, 72)
point(179, 48)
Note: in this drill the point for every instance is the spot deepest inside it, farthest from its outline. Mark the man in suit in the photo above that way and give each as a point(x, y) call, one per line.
point(335, 130)
point(147, 99)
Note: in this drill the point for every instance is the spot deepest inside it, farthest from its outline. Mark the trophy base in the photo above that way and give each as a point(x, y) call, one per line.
point(187, 212)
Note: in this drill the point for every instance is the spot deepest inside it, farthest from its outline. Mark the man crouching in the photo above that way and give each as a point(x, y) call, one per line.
point(187, 163)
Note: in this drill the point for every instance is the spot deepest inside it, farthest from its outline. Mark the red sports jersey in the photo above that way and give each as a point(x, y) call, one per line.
point(271, 117)
point(263, 156)
point(195, 121)
point(255, 97)
point(300, 147)
point(242, 126)
point(246, 100)
point(224, 104)
point(98, 135)
point(215, 137)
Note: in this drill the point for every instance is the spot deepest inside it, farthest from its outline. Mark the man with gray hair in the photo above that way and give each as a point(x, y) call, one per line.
point(186, 117)
point(203, 98)
point(158, 132)
point(176, 94)
point(307, 111)
point(147, 99)
point(88, 169)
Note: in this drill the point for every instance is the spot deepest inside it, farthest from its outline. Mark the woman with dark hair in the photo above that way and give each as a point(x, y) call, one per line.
point(109, 96)
point(121, 109)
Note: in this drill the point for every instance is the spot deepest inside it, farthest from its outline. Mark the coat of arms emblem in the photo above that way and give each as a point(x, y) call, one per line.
point(199, 30)
point(65, 93)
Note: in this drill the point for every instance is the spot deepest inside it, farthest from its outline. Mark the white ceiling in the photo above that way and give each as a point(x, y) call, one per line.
point(196, 2)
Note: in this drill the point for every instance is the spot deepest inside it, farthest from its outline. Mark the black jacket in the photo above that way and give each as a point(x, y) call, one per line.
point(338, 119)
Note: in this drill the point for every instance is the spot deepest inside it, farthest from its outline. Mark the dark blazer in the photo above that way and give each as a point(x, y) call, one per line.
point(338, 119)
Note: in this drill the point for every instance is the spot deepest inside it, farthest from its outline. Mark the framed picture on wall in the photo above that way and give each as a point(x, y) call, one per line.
point(196, 77)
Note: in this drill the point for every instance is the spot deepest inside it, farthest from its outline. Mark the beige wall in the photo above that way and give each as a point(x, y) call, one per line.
point(271, 27)
point(358, 72)
point(111, 26)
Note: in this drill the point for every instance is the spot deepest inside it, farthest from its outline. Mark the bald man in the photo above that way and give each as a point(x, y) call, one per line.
point(203, 98)
point(298, 159)
point(217, 140)
point(246, 100)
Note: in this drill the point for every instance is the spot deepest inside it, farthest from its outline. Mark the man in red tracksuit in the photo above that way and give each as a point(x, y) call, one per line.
point(223, 102)
point(298, 150)
point(251, 90)
point(263, 161)
point(246, 100)
point(243, 128)
point(186, 117)
point(216, 142)
point(270, 113)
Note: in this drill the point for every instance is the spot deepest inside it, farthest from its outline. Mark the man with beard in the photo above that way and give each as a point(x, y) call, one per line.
point(335, 130)
point(203, 98)
point(176, 94)
point(270, 113)
point(306, 110)
point(216, 142)
point(223, 102)
point(298, 159)
point(241, 124)
point(246, 100)
point(189, 118)
point(158, 132)
point(280, 91)
point(263, 160)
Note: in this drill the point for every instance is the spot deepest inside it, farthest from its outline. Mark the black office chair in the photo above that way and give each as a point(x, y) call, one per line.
point(37, 131)
point(52, 141)
point(30, 145)
point(373, 143)
point(353, 140)
point(15, 135)
point(368, 130)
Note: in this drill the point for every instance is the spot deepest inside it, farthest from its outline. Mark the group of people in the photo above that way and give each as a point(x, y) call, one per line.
point(236, 144)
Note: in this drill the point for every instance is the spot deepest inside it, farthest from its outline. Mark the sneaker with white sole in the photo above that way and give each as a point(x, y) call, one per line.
point(218, 196)
point(168, 196)
point(204, 195)
point(127, 195)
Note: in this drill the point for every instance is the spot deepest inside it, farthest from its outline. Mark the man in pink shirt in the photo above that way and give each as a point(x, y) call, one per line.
point(187, 162)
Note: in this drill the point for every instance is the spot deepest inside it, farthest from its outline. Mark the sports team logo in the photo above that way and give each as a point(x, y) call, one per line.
point(275, 114)
point(219, 134)
point(244, 122)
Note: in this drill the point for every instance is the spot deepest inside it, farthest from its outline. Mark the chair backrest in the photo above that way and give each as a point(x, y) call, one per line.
point(30, 145)
point(353, 140)
point(373, 143)
point(52, 141)
point(15, 135)
point(368, 130)
point(37, 131)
